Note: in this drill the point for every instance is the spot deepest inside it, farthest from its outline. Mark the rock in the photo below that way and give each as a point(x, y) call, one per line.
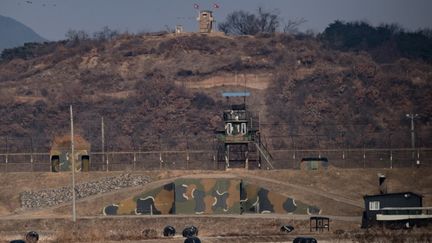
point(51, 197)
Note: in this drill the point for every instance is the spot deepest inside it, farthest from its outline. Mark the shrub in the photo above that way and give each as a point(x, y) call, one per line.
point(202, 101)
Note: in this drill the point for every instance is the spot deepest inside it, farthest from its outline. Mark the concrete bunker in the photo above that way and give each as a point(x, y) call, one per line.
point(60, 154)
point(312, 163)
point(209, 196)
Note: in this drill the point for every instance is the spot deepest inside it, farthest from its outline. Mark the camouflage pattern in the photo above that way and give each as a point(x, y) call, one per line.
point(255, 199)
point(209, 196)
point(61, 160)
point(61, 155)
point(156, 201)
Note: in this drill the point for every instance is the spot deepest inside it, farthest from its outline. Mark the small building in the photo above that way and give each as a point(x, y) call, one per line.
point(60, 154)
point(374, 204)
point(205, 20)
point(179, 29)
point(312, 163)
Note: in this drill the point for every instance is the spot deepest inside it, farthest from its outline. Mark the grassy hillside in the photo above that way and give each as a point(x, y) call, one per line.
point(164, 91)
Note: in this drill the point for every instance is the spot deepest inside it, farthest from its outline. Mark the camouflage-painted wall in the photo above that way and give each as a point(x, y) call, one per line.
point(209, 196)
point(61, 154)
point(61, 160)
point(156, 201)
point(255, 199)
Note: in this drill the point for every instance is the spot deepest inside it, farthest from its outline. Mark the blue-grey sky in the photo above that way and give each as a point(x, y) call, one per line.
point(52, 18)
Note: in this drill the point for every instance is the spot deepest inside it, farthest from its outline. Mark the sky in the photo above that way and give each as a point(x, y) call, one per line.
point(53, 18)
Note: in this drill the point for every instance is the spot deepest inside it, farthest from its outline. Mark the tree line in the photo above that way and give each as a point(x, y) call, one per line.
point(385, 42)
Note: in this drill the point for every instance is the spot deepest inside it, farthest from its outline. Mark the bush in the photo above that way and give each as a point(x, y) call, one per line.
point(28, 51)
point(202, 101)
point(154, 92)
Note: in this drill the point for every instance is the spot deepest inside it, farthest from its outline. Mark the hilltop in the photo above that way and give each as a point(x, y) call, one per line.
point(164, 91)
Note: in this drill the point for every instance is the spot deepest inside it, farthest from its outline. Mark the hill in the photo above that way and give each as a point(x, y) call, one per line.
point(163, 91)
point(14, 33)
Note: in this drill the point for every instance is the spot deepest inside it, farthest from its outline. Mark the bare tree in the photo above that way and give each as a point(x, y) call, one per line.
point(77, 35)
point(105, 34)
point(292, 25)
point(267, 22)
point(245, 23)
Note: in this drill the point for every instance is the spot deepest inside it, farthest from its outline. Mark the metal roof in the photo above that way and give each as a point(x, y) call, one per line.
point(235, 94)
point(393, 194)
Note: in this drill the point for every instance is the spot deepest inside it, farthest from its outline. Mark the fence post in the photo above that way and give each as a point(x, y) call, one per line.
point(31, 161)
point(107, 162)
point(214, 162)
point(160, 160)
point(343, 158)
point(418, 159)
point(187, 153)
point(364, 157)
point(7, 151)
point(391, 159)
point(134, 161)
point(187, 159)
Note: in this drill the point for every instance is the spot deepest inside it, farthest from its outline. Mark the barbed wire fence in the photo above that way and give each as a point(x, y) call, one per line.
point(206, 159)
point(196, 151)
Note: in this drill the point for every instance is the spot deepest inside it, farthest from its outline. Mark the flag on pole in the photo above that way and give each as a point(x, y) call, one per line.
point(196, 6)
point(215, 5)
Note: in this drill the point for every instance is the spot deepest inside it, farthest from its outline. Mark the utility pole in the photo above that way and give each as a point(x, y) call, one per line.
point(103, 141)
point(412, 117)
point(73, 167)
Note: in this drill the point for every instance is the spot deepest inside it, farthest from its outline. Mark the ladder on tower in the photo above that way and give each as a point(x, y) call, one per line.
point(264, 153)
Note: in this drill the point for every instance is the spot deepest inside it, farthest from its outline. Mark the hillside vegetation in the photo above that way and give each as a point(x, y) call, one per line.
point(141, 85)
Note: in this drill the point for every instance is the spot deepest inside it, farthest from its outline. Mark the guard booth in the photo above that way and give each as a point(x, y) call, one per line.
point(61, 155)
point(205, 21)
point(239, 144)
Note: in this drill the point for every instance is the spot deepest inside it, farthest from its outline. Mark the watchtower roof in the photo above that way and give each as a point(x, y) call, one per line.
point(235, 94)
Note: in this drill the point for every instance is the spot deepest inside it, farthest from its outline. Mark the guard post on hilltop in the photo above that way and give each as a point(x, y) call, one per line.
point(205, 20)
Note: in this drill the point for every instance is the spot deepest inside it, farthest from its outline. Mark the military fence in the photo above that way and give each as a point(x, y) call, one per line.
point(206, 159)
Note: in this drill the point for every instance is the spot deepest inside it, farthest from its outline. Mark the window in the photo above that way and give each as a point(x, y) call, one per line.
point(375, 205)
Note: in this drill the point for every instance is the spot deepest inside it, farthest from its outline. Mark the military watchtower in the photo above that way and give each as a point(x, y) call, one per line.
point(239, 143)
point(205, 20)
